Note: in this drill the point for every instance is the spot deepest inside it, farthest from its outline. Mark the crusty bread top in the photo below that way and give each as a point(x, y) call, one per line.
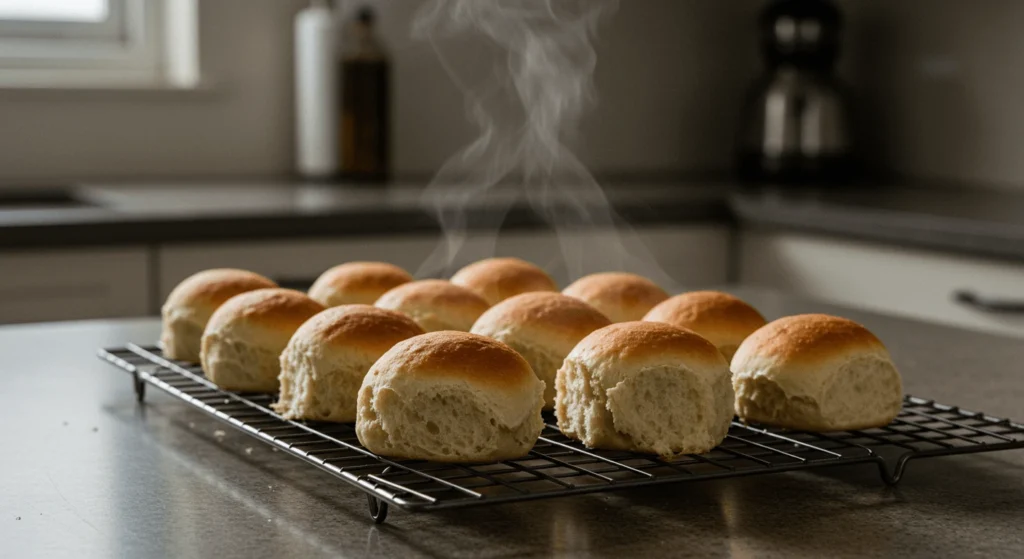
point(459, 356)
point(621, 296)
point(550, 319)
point(364, 327)
point(209, 289)
point(433, 292)
point(637, 344)
point(362, 281)
point(497, 279)
point(272, 309)
point(438, 364)
point(719, 317)
point(806, 340)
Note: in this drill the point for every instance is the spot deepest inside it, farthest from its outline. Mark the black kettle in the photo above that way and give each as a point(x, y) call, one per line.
point(796, 125)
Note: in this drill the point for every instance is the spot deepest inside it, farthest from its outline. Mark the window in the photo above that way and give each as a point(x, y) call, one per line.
point(55, 10)
point(98, 43)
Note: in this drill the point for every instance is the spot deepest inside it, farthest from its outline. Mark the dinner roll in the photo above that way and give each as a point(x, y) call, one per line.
point(189, 306)
point(357, 282)
point(647, 387)
point(450, 397)
point(435, 304)
point(817, 373)
point(497, 279)
point(543, 328)
point(620, 296)
point(722, 319)
point(325, 362)
point(246, 335)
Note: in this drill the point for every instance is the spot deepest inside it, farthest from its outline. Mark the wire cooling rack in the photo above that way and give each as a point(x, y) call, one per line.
point(558, 466)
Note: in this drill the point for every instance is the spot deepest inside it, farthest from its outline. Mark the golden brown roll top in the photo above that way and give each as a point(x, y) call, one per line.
point(543, 328)
point(246, 335)
point(450, 396)
point(816, 372)
point(723, 319)
point(809, 341)
point(264, 312)
point(364, 328)
point(357, 283)
point(435, 304)
point(325, 361)
point(189, 306)
point(620, 296)
point(643, 344)
point(552, 320)
point(477, 361)
point(497, 279)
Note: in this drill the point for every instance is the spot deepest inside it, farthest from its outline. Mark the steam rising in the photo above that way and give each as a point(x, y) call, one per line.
point(526, 69)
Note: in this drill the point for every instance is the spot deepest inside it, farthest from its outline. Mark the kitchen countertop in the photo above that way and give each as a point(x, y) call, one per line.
point(87, 472)
point(976, 222)
point(203, 212)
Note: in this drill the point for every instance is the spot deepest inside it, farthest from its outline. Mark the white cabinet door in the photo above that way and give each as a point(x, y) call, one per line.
point(73, 284)
point(916, 283)
point(690, 256)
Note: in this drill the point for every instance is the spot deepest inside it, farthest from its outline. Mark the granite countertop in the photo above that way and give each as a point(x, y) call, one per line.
point(89, 473)
point(977, 222)
point(195, 211)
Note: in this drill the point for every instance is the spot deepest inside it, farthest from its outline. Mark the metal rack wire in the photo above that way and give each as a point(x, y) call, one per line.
point(558, 466)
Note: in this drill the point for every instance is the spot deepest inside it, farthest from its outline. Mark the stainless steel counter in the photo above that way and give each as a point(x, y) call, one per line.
point(87, 472)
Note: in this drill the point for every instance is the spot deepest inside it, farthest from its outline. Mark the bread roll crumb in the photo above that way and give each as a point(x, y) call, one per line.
point(450, 397)
point(244, 339)
point(325, 361)
point(646, 387)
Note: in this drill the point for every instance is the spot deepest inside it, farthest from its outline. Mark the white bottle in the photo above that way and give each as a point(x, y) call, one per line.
point(316, 91)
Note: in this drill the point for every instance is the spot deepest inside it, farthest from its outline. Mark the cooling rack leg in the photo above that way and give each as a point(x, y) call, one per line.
point(892, 477)
point(140, 387)
point(378, 509)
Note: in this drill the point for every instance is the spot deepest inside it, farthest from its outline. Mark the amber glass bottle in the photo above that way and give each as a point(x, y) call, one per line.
point(365, 103)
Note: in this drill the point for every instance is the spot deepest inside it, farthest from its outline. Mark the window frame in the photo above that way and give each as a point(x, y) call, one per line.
point(140, 44)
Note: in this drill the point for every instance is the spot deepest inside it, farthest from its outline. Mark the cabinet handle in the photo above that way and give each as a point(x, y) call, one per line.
point(299, 284)
point(1001, 306)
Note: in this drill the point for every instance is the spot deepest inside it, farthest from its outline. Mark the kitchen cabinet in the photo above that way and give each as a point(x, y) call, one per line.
point(909, 282)
point(101, 283)
point(689, 255)
point(74, 284)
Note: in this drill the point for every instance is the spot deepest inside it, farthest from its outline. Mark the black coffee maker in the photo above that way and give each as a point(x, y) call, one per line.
point(796, 124)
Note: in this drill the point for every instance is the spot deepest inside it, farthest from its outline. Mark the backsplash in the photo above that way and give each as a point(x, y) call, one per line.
point(938, 86)
point(941, 87)
point(670, 76)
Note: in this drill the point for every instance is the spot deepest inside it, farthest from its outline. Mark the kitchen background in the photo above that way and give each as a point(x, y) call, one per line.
point(939, 79)
point(937, 86)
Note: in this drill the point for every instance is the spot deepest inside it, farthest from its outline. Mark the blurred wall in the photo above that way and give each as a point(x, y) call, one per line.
point(938, 85)
point(669, 76)
point(941, 87)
